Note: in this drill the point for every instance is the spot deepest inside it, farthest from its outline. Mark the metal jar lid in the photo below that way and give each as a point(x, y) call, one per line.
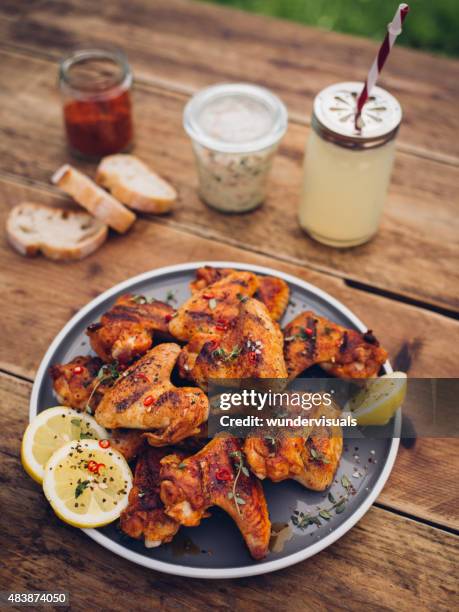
point(334, 112)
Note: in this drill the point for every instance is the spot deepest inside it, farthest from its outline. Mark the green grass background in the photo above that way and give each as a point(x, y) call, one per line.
point(431, 25)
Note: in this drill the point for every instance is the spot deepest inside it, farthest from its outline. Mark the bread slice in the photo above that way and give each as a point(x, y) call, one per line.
point(134, 184)
point(97, 201)
point(58, 233)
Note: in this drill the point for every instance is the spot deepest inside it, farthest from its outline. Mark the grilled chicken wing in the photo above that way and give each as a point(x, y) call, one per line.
point(273, 292)
point(217, 476)
point(310, 339)
point(145, 517)
point(311, 460)
point(144, 398)
point(126, 330)
point(76, 383)
point(129, 442)
point(252, 347)
point(211, 310)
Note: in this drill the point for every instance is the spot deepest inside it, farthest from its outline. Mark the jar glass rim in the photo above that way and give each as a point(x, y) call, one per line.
point(122, 78)
point(270, 101)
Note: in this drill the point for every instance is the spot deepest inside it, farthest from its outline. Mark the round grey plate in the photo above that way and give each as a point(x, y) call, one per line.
point(215, 549)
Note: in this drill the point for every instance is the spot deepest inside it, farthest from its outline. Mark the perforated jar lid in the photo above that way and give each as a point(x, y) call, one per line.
point(334, 116)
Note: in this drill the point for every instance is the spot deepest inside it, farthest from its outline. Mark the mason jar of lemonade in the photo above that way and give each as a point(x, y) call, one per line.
point(347, 170)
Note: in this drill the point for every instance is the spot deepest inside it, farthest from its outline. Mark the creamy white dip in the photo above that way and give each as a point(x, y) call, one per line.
point(235, 131)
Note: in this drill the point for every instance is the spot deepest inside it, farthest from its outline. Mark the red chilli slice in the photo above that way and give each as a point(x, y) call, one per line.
point(208, 296)
point(92, 466)
point(168, 317)
point(149, 400)
point(78, 370)
point(223, 474)
point(104, 443)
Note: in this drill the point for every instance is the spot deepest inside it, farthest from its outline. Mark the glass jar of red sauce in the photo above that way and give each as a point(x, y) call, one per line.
point(95, 84)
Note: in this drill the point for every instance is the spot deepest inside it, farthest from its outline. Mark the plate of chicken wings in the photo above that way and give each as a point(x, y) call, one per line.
point(219, 507)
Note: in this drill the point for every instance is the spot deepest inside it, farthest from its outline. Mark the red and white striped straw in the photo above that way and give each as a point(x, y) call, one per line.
point(393, 30)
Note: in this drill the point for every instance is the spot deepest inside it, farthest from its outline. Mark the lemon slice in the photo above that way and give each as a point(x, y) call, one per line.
point(86, 484)
point(377, 403)
point(49, 430)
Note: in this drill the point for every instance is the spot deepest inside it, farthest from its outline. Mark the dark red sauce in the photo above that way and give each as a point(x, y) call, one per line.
point(99, 126)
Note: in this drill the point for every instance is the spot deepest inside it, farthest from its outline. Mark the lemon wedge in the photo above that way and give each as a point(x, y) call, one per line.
point(49, 430)
point(377, 403)
point(87, 483)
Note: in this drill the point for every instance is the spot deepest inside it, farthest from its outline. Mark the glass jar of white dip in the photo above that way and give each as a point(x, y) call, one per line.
point(235, 130)
point(347, 170)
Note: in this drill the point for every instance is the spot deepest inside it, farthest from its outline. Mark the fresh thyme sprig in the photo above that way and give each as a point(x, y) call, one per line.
point(223, 355)
point(108, 372)
point(301, 335)
point(241, 469)
point(302, 520)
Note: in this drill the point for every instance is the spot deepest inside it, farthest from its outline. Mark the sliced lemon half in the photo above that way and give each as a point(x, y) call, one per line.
point(49, 430)
point(379, 400)
point(87, 485)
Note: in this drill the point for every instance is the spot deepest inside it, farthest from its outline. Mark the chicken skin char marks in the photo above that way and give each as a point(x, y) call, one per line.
point(345, 353)
point(217, 476)
point(272, 291)
point(77, 385)
point(144, 398)
point(211, 310)
point(144, 516)
point(252, 347)
point(127, 330)
point(311, 460)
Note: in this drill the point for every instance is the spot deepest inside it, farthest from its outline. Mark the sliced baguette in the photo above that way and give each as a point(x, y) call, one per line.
point(97, 201)
point(134, 184)
point(58, 233)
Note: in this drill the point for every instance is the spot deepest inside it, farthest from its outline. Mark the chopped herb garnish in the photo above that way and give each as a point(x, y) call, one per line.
point(81, 486)
point(170, 296)
point(76, 422)
point(221, 354)
point(86, 435)
point(318, 456)
point(242, 298)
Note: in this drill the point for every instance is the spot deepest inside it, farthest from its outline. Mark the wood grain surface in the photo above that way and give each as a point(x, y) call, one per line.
point(386, 562)
point(186, 45)
point(418, 341)
point(413, 254)
point(403, 554)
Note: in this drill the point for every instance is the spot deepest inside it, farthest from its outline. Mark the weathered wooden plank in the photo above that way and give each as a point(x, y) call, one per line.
point(46, 294)
point(418, 238)
point(425, 481)
point(190, 44)
point(41, 553)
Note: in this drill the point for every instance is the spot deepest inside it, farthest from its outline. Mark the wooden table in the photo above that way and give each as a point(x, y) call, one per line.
point(404, 283)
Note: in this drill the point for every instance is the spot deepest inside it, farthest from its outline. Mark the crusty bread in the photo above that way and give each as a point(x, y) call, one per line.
point(97, 201)
point(58, 233)
point(134, 184)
